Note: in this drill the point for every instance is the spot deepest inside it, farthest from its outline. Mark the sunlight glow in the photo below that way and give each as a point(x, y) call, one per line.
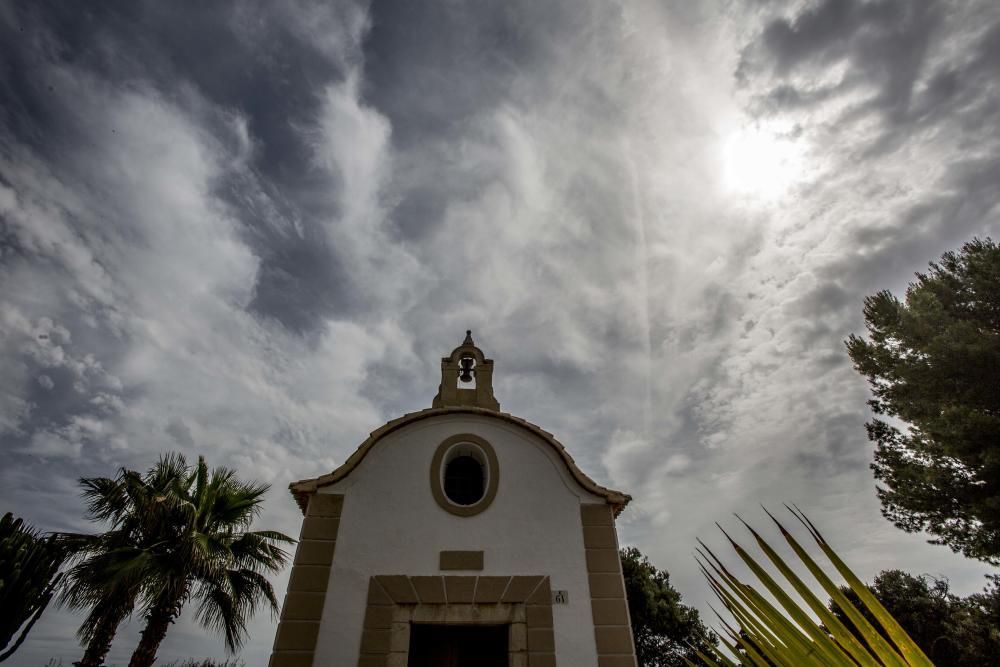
point(762, 162)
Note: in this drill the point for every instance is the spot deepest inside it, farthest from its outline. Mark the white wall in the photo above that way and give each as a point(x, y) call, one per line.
point(391, 524)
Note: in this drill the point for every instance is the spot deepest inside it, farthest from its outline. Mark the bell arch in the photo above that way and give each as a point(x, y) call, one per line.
point(466, 365)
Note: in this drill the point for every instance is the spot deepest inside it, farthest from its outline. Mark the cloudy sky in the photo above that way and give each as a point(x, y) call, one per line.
point(251, 230)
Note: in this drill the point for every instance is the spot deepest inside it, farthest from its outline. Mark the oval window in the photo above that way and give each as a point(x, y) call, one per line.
point(464, 482)
point(464, 473)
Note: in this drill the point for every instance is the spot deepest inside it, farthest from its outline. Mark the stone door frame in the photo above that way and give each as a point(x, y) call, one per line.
point(523, 603)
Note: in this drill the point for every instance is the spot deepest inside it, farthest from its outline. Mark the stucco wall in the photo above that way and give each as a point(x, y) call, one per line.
point(391, 524)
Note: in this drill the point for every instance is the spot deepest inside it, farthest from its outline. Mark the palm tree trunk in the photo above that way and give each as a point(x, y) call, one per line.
point(157, 623)
point(100, 642)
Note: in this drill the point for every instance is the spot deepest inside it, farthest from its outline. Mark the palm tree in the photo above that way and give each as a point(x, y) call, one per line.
point(29, 577)
point(101, 579)
point(178, 532)
point(101, 625)
point(96, 580)
point(207, 552)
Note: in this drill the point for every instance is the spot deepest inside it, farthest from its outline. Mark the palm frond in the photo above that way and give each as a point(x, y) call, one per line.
point(218, 611)
point(227, 602)
point(797, 633)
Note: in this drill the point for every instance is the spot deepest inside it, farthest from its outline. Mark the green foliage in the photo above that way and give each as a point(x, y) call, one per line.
point(951, 630)
point(664, 629)
point(786, 633)
point(179, 533)
point(985, 611)
point(29, 575)
point(933, 362)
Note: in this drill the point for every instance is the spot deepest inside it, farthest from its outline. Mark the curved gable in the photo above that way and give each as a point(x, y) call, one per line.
point(302, 489)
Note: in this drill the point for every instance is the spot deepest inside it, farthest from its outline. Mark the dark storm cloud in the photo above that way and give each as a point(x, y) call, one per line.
point(431, 78)
point(239, 61)
point(447, 92)
point(884, 41)
point(895, 52)
point(432, 70)
point(965, 208)
point(181, 432)
point(436, 71)
point(899, 68)
point(871, 85)
point(143, 151)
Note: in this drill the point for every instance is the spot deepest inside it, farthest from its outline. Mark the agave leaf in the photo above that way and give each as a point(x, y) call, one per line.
point(745, 596)
point(708, 661)
point(735, 636)
point(717, 659)
point(746, 617)
point(769, 614)
point(775, 651)
point(911, 652)
point(732, 647)
point(844, 637)
point(830, 651)
point(796, 647)
point(748, 648)
point(799, 649)
point(882, 649)
point(786, 634)
point(726, 661)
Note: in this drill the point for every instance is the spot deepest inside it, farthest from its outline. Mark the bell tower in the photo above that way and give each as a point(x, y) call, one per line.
point(466, 365)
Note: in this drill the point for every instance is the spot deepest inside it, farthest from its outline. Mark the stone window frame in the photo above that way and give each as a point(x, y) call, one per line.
point(436, 473)
point(395, 602)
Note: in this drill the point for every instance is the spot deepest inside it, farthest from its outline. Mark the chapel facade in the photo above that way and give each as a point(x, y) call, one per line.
point(456, 536)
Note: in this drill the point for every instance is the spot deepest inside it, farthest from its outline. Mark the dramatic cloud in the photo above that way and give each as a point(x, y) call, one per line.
point(251, 231)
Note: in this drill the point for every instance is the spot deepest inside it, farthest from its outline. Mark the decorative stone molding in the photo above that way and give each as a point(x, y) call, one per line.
point(612, 626)
point(437, 472)
point(295, 641)
point(397, 601)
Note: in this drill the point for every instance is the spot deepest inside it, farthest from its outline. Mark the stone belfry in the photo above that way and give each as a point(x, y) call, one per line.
point(456, 535)
point(466, 365)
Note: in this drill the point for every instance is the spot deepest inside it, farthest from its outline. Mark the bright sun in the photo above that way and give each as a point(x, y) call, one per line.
point(760, 162)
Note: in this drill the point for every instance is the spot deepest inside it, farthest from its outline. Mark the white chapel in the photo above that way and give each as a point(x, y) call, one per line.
point(456, 536)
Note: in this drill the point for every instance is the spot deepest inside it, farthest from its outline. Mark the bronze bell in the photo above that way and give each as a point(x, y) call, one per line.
point(467, 363)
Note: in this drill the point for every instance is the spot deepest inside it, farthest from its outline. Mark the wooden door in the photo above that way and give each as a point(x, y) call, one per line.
point(458, 645)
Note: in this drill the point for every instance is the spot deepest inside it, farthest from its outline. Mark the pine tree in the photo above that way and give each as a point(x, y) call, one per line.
point(933, 363)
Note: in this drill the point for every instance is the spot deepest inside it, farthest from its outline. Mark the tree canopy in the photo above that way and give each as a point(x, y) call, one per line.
point(933, 363)
point(663, 627)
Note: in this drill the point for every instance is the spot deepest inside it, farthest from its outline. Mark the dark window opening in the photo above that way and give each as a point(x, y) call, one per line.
point(463, 480)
